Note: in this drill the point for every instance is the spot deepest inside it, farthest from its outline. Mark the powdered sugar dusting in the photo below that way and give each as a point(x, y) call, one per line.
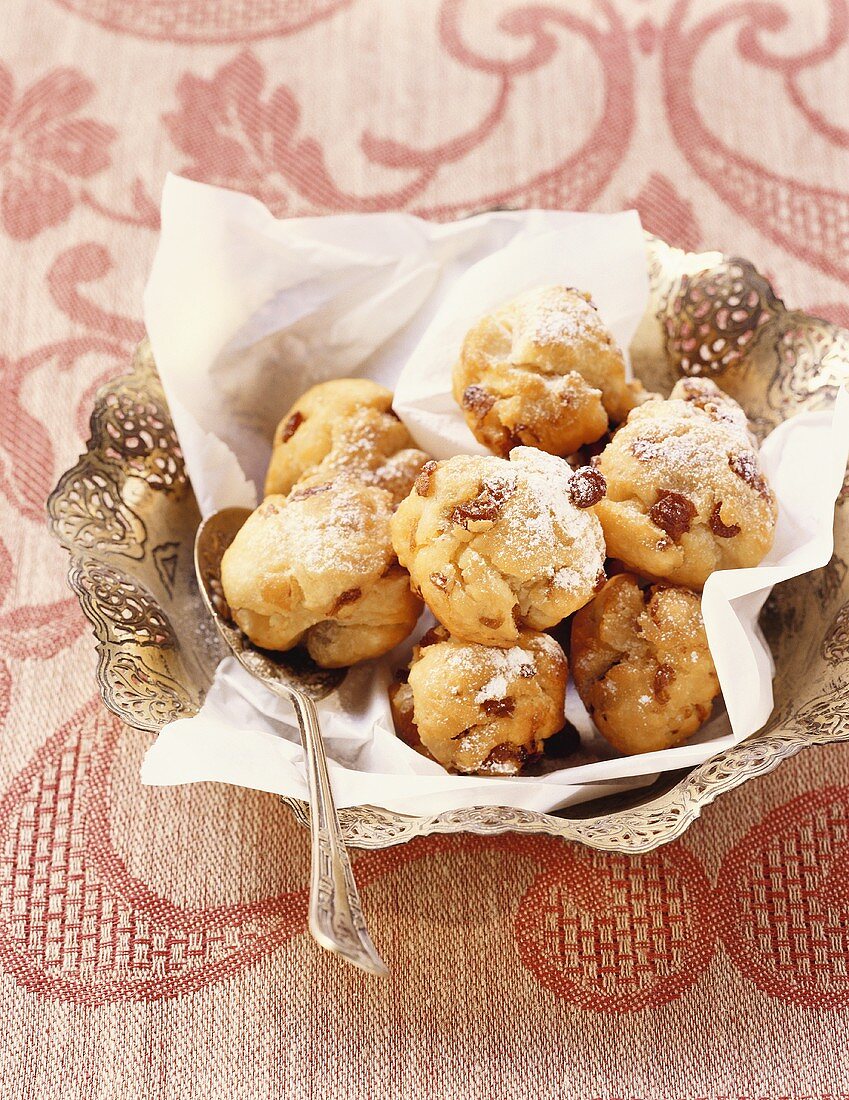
point(510, 665)
point(568, 579)
point(496, 688)
point(546, 516)
point(333, 530)
point(560, 316)
point(678, 438)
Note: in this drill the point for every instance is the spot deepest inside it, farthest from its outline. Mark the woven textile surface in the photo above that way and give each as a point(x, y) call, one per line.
point(153, 941)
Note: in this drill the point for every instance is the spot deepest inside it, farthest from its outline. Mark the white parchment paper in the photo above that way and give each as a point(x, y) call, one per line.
point(245, 312)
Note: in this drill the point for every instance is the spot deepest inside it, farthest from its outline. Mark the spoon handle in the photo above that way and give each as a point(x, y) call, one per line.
point(335, 915)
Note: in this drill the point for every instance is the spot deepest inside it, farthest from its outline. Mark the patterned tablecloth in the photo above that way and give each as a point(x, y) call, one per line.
point(152, 942)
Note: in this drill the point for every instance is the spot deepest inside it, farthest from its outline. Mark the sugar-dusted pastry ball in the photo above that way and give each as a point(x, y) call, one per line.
point(497, 546)
point(482, 709)
point(641, 664)
point(543, 371)
point(374, 448)
point(346, 425)
point(685, 491)
point(318, 567)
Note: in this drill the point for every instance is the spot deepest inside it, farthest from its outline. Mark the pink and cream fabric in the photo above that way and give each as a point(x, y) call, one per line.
point(153, 941)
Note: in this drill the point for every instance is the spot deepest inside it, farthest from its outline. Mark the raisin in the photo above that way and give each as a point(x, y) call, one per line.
point(498, 708)
point(590, 453)
point(432, 636)
point(493, 623)
point(350, 595)
point(600, 581)
point(745, 466)
point(720, 529)
point(478, 400)
point(662, 679)
point(486, 506)
point(291, 426)
point(504, 756)
point(424, 481)
point(673, 513)
point(310, 491)
point(509, 440)
point(587, 487)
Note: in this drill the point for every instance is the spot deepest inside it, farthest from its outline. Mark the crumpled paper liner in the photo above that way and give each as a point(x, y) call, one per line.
point(245, 312)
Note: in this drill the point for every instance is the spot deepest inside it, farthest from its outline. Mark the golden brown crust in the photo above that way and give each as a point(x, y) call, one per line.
point(641, 664)
point(373, 447)
point(401, 705)
point(481, 709)
point(344, 426)
point(542, 371)
point(497, 546)
point(685, 492)
point(318, 567)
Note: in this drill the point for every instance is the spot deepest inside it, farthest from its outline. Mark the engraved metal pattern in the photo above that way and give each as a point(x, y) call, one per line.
point(129, 609)
point(88, 512)
point(835, 646)
point(126, 515)
point(146, 698)
point(139, 436)
point(810, 364)
point(120, 507)
point(715, 315)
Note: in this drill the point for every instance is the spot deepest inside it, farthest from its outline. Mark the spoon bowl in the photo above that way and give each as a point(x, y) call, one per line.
point(294, 668)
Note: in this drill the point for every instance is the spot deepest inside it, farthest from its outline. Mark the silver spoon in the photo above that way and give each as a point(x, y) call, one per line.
point(335, 913)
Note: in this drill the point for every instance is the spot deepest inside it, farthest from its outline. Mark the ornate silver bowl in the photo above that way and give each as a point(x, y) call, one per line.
point(127, 516)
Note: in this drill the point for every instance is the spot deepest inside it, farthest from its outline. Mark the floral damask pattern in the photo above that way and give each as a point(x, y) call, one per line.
point(239, 135)
point(204, 20)
point(46, 149)
point(606, 933)
point(236, 137)
point(810, 221)
point(721, 124)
